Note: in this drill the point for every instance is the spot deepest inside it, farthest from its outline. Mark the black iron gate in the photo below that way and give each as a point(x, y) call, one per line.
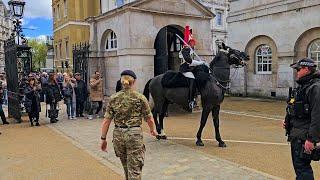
point(18, 60)
point(81, 55)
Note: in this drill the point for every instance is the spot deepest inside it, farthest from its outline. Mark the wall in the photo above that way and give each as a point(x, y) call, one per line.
point(136, 40)
point(284, 22)
point(72, 27)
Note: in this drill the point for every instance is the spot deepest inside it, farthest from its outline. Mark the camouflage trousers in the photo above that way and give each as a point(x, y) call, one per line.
point(129, 147)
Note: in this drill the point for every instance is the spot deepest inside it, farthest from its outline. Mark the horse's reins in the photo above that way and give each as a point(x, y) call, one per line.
point(219, 81)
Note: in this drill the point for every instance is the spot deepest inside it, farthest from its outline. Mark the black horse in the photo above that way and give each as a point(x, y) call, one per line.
point(211, 84)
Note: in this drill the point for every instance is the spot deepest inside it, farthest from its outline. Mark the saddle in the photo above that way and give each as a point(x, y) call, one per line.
point(172, 79)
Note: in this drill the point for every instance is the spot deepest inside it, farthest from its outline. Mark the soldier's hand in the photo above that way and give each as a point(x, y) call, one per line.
point(153, 133)
point(104, 145)
point(308, 146)
point(283, 124)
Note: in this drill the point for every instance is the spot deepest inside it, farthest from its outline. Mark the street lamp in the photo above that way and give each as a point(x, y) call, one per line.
point(17, 7)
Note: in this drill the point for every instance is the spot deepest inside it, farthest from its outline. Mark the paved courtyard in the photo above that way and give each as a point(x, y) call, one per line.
point(257, 148)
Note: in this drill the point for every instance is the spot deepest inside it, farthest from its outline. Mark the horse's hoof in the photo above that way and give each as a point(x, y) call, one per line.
point(164, 137)
point(158, 137)
point(199, 143)
point(222, 144)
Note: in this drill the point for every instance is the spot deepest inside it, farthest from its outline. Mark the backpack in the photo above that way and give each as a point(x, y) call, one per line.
point(68, 91)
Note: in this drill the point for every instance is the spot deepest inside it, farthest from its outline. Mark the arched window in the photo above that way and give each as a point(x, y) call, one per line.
point(314, 51)
point(263, 60)
point(111, 43)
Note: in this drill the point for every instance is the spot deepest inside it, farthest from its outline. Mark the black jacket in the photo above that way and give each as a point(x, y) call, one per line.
point(81, 91)
point(308, 125)
point(53, 93)
point(185, 67)
point(1, 95)
point(32, 98)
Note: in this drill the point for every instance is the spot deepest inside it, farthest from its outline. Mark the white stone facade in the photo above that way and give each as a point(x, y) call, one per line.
point(288, 28)
point(6, 27)
point(219, 26)
point(136, 26)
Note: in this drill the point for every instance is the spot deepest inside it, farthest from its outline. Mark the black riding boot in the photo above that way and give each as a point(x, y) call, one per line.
point(191, 97)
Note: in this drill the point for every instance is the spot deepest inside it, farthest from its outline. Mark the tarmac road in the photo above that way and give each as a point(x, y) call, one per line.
point(256, 124)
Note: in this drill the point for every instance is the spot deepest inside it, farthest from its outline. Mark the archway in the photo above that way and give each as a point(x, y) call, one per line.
point(167, 47)
point(305, 40)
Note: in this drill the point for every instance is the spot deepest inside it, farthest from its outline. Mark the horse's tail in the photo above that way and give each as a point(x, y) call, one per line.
point(146, 90)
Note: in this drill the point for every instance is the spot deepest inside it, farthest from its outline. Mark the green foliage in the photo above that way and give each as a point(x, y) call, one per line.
point(39, 53)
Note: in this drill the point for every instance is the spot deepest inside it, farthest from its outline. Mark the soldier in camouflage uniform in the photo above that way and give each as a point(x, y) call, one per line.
point(127, 109)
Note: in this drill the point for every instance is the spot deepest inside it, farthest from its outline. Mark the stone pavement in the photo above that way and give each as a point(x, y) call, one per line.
point(38, 153)
point(164, 159)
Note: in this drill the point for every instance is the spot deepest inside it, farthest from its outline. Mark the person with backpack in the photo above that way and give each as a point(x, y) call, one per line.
point(68, 90)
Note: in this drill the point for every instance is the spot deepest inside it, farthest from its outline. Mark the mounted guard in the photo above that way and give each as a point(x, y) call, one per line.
point(212, 82)
point(187, 55)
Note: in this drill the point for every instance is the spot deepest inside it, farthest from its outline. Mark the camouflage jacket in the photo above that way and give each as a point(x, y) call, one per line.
point(128, 108)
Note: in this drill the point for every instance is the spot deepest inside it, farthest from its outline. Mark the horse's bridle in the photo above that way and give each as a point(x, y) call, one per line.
point(219, 81)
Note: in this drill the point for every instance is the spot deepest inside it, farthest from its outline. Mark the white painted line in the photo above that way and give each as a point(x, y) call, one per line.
point(250, 115)
point(234, 141)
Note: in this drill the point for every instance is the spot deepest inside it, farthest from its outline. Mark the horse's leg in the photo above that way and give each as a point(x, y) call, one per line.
point(204, 117)
point(161, 117)
point(215, 116)
point(155, 117)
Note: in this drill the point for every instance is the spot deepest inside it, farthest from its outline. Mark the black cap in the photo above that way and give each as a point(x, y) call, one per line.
point(76, 74)
point(306, 62)
point(129, 73)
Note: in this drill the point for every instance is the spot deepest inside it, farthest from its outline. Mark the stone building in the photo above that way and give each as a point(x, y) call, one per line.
point(275, 34)
point(6, 27)
point(70, 28)
point(140, 35)
point(219, 24)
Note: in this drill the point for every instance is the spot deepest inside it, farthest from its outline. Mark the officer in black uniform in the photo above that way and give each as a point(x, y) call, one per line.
point(303, 119)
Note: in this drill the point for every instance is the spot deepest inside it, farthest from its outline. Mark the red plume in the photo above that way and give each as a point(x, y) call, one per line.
point(187, 34)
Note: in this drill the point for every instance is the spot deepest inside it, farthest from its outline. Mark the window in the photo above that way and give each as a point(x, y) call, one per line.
point(65, 12)
point(60, 51)
point(119, 3)
point(54, 15)
point(111, 43)
point(219, 18)
point(175, 45)
point(314, 51)
point(58, 12)
point(67, 49)
point(56, 51)
point(264, 60)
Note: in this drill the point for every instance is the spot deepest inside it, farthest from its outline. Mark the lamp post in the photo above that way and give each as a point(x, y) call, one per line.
point(17, 9)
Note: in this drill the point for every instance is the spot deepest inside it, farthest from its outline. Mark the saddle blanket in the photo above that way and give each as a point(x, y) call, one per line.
point(173, 79)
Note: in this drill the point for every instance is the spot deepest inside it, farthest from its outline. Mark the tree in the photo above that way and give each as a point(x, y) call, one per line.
point(39, 53)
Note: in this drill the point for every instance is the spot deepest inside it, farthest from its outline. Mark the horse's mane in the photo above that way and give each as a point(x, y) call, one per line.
point(202, 75)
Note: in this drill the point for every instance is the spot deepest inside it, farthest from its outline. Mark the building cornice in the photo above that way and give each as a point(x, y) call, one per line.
point(70, 23)
point(269, 9)
point(134, 6)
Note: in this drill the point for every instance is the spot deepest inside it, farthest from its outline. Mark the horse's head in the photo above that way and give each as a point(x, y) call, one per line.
point(238, 58)
point(228, 56)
